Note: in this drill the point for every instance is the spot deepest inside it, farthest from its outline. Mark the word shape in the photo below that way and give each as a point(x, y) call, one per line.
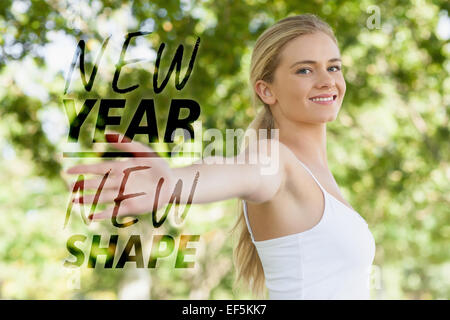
point(162, 247)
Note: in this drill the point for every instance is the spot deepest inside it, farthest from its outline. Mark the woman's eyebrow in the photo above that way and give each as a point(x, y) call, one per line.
point(313, 62)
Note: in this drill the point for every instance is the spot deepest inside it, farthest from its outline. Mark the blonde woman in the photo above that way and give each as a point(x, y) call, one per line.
point(299, 237)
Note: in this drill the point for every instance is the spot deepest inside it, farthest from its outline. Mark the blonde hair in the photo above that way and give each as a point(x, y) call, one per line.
point(265, 59)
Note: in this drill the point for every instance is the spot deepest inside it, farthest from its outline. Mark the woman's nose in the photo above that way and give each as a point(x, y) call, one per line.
point(325, 80)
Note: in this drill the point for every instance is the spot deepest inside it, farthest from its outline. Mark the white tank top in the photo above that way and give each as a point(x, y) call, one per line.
point(332, 260)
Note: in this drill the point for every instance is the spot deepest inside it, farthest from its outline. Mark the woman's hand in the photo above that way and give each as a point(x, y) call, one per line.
point(208, 180)
point(144, 175)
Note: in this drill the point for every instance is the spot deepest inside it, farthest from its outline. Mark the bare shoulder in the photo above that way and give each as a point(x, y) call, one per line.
point(275, 162)
point(279, 149)
point(294, 207)
point(273, 152)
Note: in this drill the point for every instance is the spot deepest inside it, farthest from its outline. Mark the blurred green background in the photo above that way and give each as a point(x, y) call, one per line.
point(388, 148)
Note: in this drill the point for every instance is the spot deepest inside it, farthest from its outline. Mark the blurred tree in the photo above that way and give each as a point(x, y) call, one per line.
point(395, 111)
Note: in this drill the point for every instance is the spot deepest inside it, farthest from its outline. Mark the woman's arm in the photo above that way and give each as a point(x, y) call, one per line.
point(218, 182)
point(207, 180)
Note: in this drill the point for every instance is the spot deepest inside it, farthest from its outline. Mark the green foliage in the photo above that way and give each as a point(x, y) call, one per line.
point(389, 145)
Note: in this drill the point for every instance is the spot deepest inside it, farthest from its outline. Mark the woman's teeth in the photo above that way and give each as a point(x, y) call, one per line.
point(322, 99)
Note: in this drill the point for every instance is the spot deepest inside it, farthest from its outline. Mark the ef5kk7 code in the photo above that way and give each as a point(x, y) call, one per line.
point(246, 309)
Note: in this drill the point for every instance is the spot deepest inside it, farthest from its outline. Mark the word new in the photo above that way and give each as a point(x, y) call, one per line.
point(176, 196)
point(176, 61)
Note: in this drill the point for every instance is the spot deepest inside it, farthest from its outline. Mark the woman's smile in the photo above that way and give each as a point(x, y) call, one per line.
point(325, 99)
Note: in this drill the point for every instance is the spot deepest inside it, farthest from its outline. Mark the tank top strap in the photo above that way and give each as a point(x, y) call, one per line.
point(244, 204)
point(311, 174)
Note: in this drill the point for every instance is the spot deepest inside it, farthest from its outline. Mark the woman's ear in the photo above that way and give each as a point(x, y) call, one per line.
point(264, 92)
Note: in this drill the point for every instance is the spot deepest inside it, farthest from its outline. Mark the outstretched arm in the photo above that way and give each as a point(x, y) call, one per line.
point(211, 179)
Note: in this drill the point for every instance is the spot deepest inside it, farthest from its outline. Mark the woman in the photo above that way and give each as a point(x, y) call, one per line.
point(299, 236)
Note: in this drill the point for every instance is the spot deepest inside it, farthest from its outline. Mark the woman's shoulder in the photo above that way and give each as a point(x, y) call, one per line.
point(294, 195)
point(274, 145)
point(285, 162)
point(287, 158)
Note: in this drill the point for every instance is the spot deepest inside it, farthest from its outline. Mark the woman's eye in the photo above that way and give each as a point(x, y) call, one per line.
point(307, 71)
point(336, 68)
point(303, 71)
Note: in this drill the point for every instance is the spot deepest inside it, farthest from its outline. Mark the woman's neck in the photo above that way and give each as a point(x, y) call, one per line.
point(308, 141)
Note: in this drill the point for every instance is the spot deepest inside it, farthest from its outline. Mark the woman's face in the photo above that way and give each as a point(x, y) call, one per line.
point(308, 84)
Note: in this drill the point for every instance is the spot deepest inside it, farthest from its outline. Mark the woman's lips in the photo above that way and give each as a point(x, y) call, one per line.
point(324, 100)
